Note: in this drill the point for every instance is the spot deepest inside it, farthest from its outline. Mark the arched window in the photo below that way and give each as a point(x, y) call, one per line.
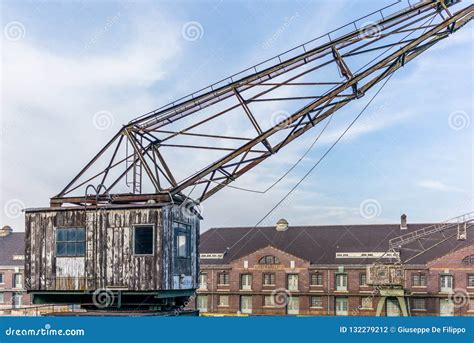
point(468, 260)
point(269, 259)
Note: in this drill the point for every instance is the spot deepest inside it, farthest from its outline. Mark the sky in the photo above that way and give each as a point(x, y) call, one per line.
point(74, 72)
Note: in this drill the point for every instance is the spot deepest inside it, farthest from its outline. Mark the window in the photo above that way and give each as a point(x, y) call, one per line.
point(223, 300)
point(293, 305)
point(246, 304)
point(16, 300)
point(418, 303)
point(292, 282)
point(269, 260)
point(317, 279)
point(223, 278)
point(269, 300)
point(269, 279)
point(2, 298)
point(317, 302)
point(201, 303)
point(468, 260)
point(470, 280)
point(246, 281)
point(341, 282)
point(203, 281)
point(2, 278)
point(446, 283)
point(342, 306)
point(182, 248)
point(418, 279)
point(363, 279)
point(143, 240)
point(471, 304)
point(70, 242)
point(18, 280)
point(366, 302)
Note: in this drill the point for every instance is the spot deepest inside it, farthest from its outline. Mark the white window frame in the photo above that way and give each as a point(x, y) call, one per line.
point(200, 300)
point(272, 301)
point(341, 282)
point(248, 301)
point(293, 306)
point(246, 282)
point(202, 285)
point(223, 296)
point(344, 311)
point(446, 283)
point(293, 286)
point(18, 285)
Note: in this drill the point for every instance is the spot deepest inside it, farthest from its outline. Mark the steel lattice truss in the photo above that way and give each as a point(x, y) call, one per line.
point(231, 127)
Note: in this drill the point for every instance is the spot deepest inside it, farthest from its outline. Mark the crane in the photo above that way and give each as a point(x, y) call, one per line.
point(146, 159)
point(388, 276)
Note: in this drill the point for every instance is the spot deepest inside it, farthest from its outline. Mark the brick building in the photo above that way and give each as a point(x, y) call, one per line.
point(12, 258)
point(321, 270)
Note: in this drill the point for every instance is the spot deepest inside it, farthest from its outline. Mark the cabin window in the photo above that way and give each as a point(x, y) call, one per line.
point(182, 248)
point(70, 242)
point(143, 240)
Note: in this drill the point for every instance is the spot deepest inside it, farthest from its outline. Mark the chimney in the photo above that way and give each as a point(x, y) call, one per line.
point(282, 225)
point(403, 222)
point(5, 231)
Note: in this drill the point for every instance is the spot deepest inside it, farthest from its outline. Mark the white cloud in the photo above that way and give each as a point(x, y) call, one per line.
point(436, 185)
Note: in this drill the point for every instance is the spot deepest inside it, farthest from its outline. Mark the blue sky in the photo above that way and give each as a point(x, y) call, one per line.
point(411, 152)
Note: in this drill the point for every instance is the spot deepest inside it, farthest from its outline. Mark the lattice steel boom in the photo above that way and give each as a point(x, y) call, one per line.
point(230, 127)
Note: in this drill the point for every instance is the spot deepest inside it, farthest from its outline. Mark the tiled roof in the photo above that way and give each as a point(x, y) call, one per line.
point(13, 244)
point(317, 244)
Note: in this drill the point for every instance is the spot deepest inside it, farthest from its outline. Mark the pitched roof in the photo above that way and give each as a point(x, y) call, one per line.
point(317, 244)
point(13, 244)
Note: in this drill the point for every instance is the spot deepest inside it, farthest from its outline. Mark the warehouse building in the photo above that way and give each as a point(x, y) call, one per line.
point(322, 270)
point(12, 259)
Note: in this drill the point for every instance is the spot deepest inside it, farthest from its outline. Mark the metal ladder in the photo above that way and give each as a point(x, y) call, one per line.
point(133, 177)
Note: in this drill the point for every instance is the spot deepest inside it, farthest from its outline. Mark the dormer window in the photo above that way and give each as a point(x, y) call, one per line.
point(269, 259)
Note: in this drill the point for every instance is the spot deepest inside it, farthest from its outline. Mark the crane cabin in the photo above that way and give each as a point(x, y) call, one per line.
point(138, 256)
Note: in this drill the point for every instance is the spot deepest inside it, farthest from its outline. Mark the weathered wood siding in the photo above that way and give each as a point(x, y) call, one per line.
point(109, 259)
